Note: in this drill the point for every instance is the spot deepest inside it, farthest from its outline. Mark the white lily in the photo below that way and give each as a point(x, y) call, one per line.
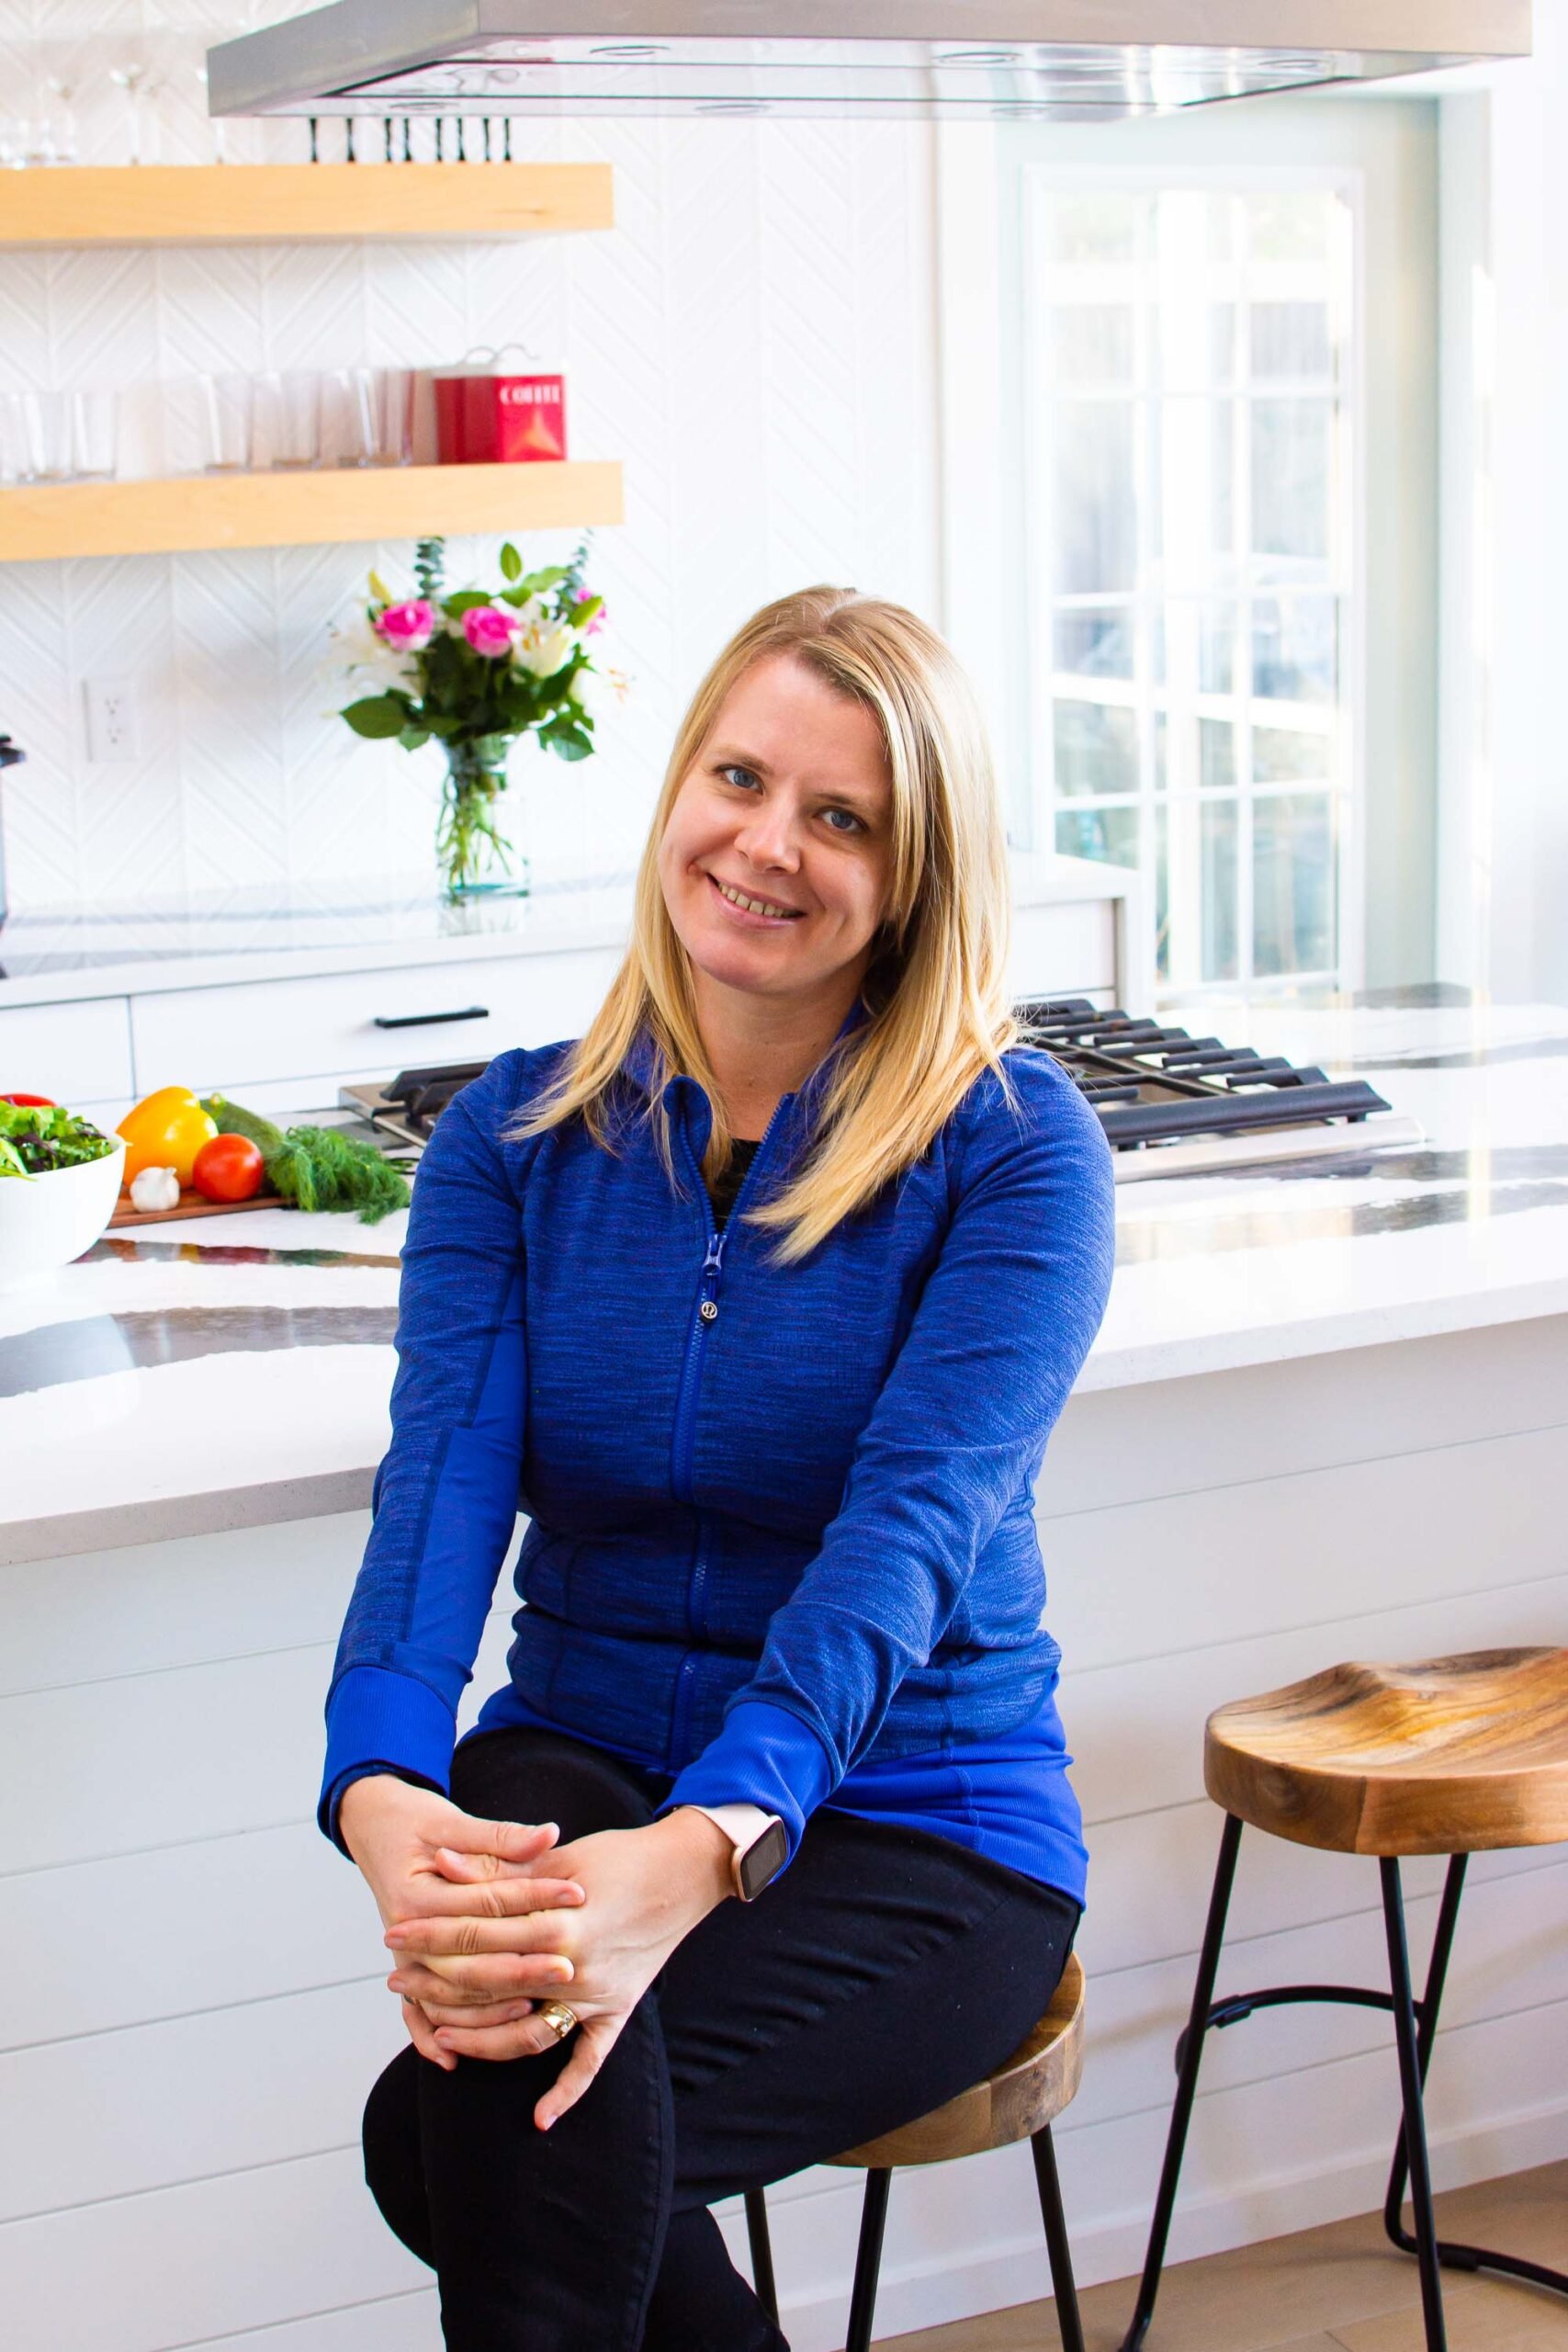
point(363, 654)
point(543, 652)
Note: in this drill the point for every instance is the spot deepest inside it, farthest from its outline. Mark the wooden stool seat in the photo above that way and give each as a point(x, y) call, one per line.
point(1451, 1756)
point(1025, 2094)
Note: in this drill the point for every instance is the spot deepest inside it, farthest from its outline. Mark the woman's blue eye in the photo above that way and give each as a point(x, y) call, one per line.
point(746, 779)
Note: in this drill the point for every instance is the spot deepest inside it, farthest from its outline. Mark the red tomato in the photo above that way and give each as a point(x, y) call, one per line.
point(228, 1168)
point(31, 1101)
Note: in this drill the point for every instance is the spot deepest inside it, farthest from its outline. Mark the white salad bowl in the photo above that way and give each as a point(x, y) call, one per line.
point(45, 1221)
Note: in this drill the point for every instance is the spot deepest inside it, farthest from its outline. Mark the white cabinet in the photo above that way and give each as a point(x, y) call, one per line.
point(78, 1053)
point(363, 1023)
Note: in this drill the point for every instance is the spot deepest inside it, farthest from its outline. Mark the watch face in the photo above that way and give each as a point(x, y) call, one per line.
point(763, 1862)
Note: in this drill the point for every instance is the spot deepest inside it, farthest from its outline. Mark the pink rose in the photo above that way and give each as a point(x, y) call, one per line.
point(490, 630)
point(408, 628)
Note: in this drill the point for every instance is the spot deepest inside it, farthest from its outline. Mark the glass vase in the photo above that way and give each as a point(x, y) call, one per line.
point(472, 847)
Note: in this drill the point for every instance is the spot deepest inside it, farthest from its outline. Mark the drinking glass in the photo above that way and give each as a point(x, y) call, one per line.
point(16, 445)
point(47, 436)
point(226, 404)
point(289, 418)
point(95, 435)
point(25, 142)
point(380, 415)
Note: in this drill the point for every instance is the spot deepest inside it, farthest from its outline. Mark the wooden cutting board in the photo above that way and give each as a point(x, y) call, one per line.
point(192, 1204)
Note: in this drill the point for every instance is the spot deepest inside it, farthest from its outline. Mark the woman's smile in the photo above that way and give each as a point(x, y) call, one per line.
point(776, 856)
point(755, 912)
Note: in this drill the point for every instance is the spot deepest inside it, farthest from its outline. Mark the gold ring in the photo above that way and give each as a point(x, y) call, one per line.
point(558, 2018)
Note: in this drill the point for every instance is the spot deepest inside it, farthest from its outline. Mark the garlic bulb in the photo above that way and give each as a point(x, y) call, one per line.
point(155, 1188)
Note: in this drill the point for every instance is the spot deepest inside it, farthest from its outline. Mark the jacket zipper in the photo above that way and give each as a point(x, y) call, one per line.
point(683, 1446)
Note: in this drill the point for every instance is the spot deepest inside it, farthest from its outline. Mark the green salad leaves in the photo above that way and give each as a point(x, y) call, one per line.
point(35, 1139)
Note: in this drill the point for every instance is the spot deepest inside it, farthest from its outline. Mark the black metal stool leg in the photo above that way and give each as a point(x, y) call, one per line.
point(1063, 2285)
point(1427, 2009)
point(1415, 2139)
point(761, 2244)
point(1451, 2254)
point(868, 2261)
point(1191, 2053)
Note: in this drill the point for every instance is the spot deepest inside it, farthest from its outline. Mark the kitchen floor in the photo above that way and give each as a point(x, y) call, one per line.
point(1341, 2289)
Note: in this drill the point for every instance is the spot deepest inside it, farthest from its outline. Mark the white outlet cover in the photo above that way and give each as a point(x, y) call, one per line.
point(110, 706)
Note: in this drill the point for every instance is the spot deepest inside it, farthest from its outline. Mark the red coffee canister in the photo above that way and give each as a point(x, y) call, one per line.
point(487, 414)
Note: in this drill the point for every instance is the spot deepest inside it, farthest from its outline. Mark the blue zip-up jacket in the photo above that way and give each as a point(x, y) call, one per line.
point(781, 1518)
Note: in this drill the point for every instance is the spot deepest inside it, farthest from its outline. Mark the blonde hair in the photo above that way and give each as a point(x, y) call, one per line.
point(936, 991)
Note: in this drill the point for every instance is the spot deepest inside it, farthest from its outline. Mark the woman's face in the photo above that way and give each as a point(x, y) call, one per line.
point(776, 859)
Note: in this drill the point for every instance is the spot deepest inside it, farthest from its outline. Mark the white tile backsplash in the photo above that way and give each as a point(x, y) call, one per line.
point(751, 342)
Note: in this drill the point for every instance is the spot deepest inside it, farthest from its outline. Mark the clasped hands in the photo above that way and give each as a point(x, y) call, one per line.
point(486, 1919)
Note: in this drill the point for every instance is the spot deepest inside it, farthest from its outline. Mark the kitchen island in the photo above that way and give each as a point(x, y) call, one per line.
point(1323, 1419)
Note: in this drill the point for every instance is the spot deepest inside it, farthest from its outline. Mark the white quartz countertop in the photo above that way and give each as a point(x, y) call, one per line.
point(183, 1378)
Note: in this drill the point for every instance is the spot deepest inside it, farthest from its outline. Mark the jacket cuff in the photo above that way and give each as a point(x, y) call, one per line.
point(377, 1720)
point(763, 1756)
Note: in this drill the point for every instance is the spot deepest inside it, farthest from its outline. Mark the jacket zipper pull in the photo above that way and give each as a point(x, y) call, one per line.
point(713, 1266)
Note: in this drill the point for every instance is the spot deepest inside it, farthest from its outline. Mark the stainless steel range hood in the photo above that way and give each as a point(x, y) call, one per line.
point(1084, 60)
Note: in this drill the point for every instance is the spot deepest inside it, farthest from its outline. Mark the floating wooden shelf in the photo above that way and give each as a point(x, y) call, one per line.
point(216, 204)
point(307, 509)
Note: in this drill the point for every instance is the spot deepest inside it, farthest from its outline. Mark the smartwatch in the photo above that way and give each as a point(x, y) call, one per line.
point(760, 1844)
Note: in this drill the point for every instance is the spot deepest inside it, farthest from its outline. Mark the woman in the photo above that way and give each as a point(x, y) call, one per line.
point(761, 1300)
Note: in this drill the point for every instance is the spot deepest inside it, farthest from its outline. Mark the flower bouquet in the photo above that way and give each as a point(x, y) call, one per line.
point(472, 671)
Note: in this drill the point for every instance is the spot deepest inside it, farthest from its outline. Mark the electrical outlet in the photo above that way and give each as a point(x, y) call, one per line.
point(111, 719)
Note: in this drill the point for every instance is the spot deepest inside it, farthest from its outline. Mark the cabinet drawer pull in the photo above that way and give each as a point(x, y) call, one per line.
point(428, 1020)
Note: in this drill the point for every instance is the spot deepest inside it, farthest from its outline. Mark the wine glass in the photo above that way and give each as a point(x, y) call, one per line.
point(131, 76)
point(195, 67)
point(63, 79)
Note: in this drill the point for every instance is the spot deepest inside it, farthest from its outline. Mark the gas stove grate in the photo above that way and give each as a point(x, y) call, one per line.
point(1169, 1102)
point(1153, 1085)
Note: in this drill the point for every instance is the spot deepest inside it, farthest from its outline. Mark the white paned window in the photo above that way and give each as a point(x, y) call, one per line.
point(1186, 413)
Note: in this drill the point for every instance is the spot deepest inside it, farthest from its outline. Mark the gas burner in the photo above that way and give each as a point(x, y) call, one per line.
point(408, 1107)
point(1175, 1104)
point(1171, 1104)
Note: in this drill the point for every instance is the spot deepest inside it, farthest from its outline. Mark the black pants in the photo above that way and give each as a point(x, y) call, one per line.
point(881, 1973)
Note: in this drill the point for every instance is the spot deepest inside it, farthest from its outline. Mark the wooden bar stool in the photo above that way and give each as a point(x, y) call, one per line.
point(1020, 2100)
point(1454, 1757)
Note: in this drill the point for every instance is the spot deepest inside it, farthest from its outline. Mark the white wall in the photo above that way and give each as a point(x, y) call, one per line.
point(752, 341)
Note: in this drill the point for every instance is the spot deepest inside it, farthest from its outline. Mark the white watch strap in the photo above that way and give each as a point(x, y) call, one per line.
point(741, 1824)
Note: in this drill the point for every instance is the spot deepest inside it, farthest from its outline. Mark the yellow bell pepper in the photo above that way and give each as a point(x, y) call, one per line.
point(165, 1130)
